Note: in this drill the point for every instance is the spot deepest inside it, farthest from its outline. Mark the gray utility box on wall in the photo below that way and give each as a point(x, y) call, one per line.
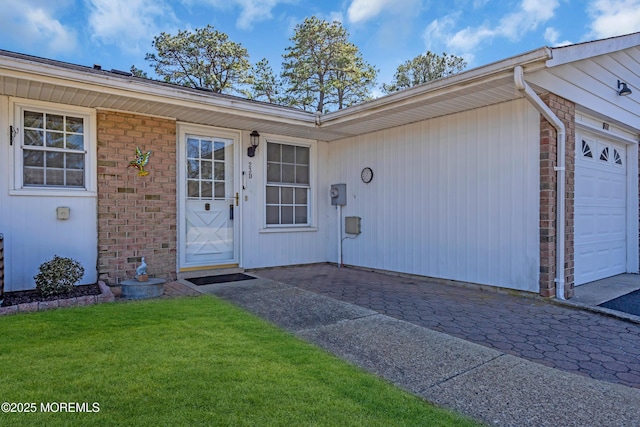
point(352, 225)
point(338, 194)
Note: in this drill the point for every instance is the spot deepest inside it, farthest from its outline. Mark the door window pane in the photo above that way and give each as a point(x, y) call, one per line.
point(206, 150)
point(193, 148)
point(220, 187)
point(206, 165)
point(219, 150)
point(205, 170)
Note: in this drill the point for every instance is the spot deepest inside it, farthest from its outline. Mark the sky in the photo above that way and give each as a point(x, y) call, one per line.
point(118, 33)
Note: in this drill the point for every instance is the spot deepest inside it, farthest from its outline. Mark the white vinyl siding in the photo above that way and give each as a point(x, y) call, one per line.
point(266, 245)
point(28, 220)
point(455, 197)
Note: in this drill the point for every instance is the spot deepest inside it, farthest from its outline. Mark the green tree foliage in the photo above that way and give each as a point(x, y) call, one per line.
point(265, 86)
point(138, 72)
point(322, 70)
point(203, 58)
point(424, 68)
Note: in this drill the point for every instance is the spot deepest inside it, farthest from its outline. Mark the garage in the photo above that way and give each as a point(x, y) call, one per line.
point(600, 209)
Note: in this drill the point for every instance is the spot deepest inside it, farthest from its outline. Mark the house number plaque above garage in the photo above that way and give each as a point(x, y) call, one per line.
point(366, 175)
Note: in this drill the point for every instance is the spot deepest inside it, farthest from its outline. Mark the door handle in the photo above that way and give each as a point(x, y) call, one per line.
point(231, 211)
point(237, 199)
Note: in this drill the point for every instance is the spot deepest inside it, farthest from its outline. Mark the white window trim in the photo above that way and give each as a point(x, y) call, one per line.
point(311, 226)
point(17, 105)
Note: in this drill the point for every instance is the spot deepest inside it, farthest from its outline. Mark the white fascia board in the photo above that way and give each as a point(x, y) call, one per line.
point(532, 61)
point(576, 52)
point(142, 90)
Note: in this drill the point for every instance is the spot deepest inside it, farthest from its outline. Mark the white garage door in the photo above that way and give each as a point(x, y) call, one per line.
point(600, 209)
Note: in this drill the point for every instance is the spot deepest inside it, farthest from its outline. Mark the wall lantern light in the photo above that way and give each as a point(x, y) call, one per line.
point(624, 91)
point(254, 138)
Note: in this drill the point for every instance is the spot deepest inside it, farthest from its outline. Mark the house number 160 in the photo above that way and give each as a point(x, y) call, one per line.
point(250, 171)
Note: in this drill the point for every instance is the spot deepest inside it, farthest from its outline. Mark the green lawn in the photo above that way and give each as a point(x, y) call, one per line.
point(184, 362)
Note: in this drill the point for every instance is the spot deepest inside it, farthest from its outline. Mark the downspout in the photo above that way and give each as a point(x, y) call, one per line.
point(533, 98)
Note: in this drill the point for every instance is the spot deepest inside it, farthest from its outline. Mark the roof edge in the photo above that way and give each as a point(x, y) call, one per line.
point(532, 60)
point(106, 81)
point(576, 52)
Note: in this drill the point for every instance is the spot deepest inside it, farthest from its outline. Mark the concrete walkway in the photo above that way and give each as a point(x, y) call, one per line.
point(404, 329)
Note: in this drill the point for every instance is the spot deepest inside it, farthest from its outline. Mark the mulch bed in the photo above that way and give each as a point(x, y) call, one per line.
point(20, 297)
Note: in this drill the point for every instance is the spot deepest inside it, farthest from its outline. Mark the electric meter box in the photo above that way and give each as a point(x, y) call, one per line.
point(338, 194)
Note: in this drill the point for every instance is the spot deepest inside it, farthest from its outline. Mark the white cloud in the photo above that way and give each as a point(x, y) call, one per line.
point(363, 10)
point(251, 11)
point(529, 15)
point(128, 24)
point(33, 23)
point(551, 35)
point(439, 30)
point(614, 17)
point(336, 16)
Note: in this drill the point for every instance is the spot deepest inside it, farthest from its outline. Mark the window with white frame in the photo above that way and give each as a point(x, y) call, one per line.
point(52, 151)
point(288, 185)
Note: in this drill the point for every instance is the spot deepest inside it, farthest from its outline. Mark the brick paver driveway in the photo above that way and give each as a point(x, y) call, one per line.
point(532, 328)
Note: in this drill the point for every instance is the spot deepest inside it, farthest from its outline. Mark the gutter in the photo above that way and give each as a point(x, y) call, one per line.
point(534, 99)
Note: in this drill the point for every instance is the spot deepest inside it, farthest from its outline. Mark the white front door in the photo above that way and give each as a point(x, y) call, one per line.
point(209, 200)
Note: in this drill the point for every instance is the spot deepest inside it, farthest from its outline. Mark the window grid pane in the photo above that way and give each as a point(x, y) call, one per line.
point(205, 168)
point(287, 205)
point(54, 156)
point(288, 186)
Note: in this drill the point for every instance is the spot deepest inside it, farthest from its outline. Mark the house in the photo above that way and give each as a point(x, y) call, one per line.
point(470, 178)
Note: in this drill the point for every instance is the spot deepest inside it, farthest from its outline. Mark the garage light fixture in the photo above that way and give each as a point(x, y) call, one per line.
point(624, 91)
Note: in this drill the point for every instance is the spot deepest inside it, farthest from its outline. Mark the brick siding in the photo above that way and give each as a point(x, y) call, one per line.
point(136, 215)
point(565, 110)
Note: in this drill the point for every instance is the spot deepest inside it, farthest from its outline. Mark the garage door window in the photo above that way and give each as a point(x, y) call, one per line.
point(617, 157)
point(586, 150)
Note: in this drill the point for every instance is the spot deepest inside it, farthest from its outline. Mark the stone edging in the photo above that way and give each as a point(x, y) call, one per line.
point(105, 296)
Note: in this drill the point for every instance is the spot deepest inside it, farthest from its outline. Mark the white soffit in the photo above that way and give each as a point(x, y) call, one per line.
point(23, 76)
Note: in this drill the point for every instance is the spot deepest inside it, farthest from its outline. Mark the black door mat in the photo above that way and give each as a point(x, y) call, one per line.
point(224, 278)
point(629, 303)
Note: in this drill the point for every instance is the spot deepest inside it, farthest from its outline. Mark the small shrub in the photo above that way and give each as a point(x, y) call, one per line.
point(58, 276)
